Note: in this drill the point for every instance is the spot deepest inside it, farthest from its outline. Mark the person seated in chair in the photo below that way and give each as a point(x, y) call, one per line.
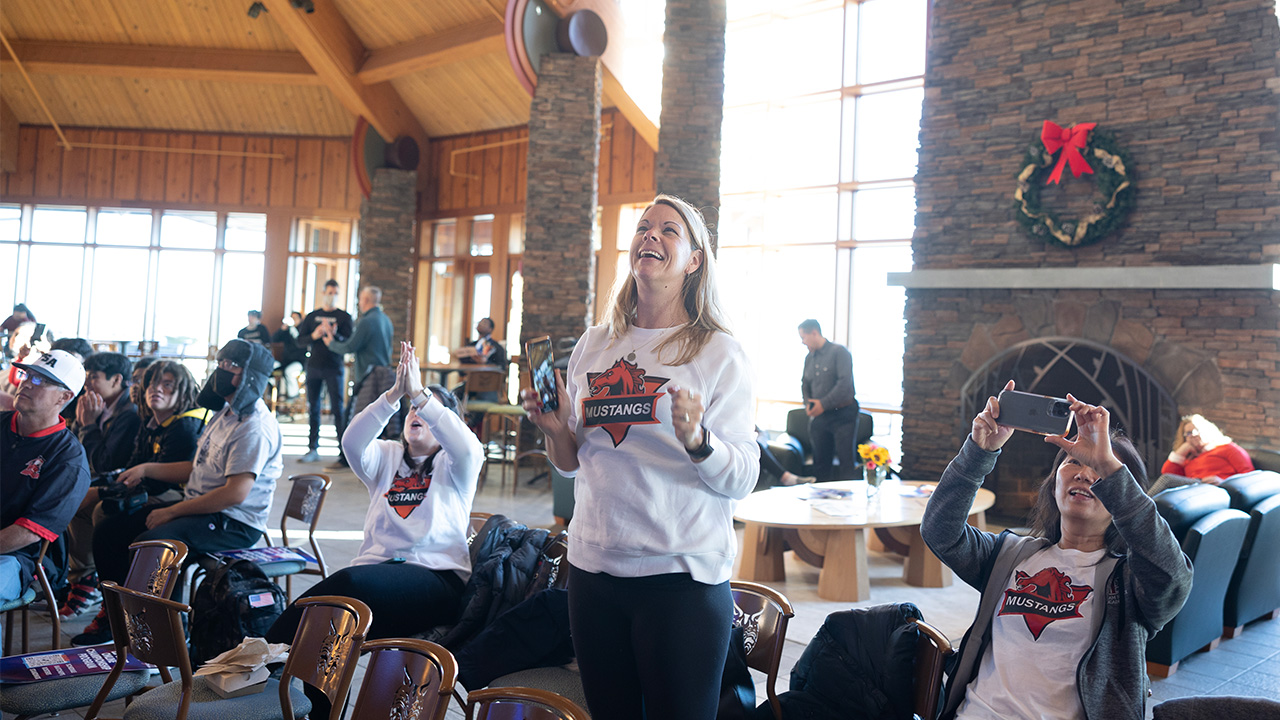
point(414, 562)
point(1065, 614)
point(229, 484)
point(254, 331)
point(43, 469)
point(106, 418)
point(293, 357)
point(170, 425)
point(1203, 454)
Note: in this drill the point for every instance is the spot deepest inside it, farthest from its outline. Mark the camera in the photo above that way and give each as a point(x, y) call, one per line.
point(118, 498)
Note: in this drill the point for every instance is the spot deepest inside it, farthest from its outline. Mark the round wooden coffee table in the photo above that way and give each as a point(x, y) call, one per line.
point(837, 542)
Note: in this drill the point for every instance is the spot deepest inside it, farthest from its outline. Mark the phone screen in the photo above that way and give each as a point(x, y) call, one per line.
point(542, 374)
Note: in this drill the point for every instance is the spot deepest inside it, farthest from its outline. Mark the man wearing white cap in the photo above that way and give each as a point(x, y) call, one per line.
point(43, 469)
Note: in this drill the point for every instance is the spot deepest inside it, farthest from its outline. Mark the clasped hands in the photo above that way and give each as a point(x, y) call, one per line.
point(408, 375)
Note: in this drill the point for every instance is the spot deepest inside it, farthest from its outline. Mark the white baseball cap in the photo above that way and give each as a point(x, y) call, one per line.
point(58, 365)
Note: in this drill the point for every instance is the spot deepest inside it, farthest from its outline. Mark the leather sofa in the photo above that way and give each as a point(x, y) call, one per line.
point(795, 452)
point(1254, 590)
point(1211, 535)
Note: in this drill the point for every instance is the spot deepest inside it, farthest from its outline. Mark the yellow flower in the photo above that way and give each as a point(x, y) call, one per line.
point(881, 456)
point(866, 452)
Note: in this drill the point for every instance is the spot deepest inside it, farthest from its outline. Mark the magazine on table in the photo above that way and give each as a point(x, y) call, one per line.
point(70, 662)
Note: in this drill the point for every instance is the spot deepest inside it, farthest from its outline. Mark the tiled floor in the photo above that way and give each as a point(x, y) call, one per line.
point(1247, 665)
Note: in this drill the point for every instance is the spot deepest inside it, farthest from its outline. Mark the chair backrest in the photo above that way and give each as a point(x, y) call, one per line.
point(479, 381)
point(156, 566)
point(1184, 506)
point(762, 613)
point(325, 648)
point(478, 519)
point(932, 650)
point(520, 703)
point(406, 679)
point(1249, 489)
point(306, 497)
point(149, 628)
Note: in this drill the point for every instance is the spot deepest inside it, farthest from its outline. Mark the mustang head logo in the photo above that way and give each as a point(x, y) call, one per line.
point(623, 378)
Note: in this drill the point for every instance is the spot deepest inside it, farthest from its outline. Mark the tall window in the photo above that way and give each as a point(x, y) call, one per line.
point(321, 250)
point(817, 185)
point(180, 278)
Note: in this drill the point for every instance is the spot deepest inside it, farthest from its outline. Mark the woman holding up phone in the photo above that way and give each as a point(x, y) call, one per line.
point(655, 421)
point(1100, 576)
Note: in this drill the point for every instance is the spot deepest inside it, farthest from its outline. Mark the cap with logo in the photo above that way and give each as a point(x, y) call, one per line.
point(59, 366)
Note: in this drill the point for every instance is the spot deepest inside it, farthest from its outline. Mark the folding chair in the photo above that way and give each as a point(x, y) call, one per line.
point(406, 679)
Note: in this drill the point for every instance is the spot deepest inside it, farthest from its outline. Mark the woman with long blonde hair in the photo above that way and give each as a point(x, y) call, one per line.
point(655, 422)
point(1202, 453)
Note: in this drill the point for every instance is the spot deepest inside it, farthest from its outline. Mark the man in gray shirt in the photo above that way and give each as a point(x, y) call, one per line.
point(827, 388)
point(230, 482)
point(370, 342)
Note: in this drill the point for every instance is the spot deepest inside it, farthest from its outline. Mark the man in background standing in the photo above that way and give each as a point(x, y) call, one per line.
point(324, 367)
point(827, 388)
point(370, 342)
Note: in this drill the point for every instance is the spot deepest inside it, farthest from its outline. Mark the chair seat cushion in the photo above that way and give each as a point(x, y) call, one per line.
point(48, 696)
point(559, 680)
point(281, 568)
point(162, 703)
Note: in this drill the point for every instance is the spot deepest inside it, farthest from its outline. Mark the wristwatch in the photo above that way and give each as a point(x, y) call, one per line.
point(703, 451)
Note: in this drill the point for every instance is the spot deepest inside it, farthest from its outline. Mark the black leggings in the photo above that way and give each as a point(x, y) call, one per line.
point(650, 647)
point(318, 382)
point(406, 599)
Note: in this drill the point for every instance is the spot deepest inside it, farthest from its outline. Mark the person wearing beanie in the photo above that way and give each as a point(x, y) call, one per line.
point(229, 483)
point(43, 468)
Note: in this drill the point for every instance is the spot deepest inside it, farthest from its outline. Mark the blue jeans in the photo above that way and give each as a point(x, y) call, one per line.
point(11, 585)
point(319, 382)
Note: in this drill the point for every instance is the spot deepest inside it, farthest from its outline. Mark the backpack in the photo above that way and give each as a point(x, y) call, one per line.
point(235, 601)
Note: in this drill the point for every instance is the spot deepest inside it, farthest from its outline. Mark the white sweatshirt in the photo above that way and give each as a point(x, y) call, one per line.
point(421, 519)
point(642, 506)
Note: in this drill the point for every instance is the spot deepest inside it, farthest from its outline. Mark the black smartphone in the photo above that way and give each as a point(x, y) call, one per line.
point(542, 374)
point(38, 333)
point(1040, 414)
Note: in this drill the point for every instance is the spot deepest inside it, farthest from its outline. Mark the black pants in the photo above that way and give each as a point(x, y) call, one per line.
point(769, 462)
point(406, 600)
point(202, 533)
point(318, 381)
point(650, 647)
point(833, 434)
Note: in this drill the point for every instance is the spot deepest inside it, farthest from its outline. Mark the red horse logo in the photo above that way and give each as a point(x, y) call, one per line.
point(1050, 583)
point(623, 378)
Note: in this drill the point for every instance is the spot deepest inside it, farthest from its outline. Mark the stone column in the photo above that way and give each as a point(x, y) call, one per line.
point(386, 245)
point(564, 155)
point(688, 159)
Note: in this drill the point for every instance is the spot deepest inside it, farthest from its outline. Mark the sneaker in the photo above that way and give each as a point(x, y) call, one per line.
point(97, 632)
point(311, 456)
point(337, 465)
point(83, 595)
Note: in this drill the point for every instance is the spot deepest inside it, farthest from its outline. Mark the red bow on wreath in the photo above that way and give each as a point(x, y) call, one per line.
point(1071, 141)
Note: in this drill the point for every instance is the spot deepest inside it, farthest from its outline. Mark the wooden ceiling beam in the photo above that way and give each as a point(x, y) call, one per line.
point(455, 45)
point(169, 63)
point(336, 53)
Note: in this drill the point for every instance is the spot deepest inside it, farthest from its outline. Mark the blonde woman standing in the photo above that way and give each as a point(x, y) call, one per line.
point(655, 422)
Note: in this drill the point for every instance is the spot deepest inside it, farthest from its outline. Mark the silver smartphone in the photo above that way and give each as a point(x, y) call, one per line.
point(1040, 414)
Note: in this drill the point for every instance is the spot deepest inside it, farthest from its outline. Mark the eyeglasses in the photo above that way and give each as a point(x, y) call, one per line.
point(37, 379)
point(229, 365)
point(1191, 433)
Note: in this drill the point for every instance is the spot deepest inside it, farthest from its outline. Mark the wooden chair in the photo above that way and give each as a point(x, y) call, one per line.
point(486, 380)
point(38, 586)
point(518, 703)
point(154, 569)
point(406, 679)
point(762, 613)
point(323, 655)
point(306, 498)
point(932, 651)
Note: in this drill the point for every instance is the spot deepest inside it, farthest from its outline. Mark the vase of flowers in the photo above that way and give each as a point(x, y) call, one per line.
point(875, 465)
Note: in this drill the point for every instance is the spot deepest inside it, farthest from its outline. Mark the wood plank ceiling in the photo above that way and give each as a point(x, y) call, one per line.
point(427, 68)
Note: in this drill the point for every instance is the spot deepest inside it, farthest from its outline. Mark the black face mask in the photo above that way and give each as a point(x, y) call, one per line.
point(215, 391)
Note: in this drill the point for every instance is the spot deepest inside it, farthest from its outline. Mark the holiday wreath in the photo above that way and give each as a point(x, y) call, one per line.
point(1075, 147)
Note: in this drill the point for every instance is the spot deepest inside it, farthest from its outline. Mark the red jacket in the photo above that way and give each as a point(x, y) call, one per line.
point(1222, 461)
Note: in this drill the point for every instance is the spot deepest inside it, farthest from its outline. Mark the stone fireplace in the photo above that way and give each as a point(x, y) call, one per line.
point(1176, 312)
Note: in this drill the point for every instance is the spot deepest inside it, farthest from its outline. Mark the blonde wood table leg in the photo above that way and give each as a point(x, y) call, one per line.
point(923, 568)
point(761, 554)
point(845, 575)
